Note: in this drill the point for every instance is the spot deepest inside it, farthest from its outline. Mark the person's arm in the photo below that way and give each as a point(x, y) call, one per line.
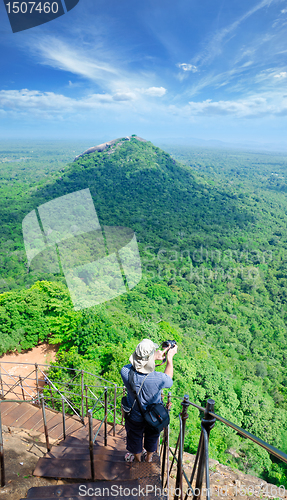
point(169, 362)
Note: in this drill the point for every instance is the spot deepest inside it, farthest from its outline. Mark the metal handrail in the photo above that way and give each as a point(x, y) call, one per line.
point(201, 462)
point(99, 428)
point(65, 399)
point(91, 438)
point(48, 390)
point(268, 447)
point(98, 400)
point(17, 382)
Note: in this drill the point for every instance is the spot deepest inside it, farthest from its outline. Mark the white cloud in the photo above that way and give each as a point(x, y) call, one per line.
point(154, 91)
point(123, 96)
point(106, 70)
point(250, 107)
point(58, 54)
point(283, 74)
point(36, 102)
point(284, 11)
point(49, 105)
point(187, 67)
point(241, 107)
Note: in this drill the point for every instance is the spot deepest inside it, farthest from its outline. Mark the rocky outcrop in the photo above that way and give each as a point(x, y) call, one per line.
point(228, 483)
point(106, 145)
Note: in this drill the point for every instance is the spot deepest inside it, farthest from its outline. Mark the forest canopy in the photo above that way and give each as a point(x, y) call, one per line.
point(212, 239)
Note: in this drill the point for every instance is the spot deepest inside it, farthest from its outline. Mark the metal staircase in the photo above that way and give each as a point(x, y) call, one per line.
point(88, 449)
point(91, 450)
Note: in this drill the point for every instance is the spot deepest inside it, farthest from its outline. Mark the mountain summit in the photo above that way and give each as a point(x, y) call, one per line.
point(106, 145)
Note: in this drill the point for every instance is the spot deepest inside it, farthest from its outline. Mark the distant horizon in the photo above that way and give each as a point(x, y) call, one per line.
point(161, 142)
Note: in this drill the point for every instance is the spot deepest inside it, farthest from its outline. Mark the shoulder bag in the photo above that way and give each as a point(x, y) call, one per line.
point(156, 415)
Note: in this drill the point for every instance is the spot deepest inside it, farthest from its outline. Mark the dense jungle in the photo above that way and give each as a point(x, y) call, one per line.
point(211, 229)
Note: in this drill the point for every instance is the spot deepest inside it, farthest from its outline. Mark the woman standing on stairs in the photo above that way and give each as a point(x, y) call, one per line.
point(141, 373)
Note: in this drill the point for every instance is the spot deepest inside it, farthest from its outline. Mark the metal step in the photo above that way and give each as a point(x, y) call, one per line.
point(105, 470)
point(29, 416)
point(84, 453)
point(64, 468)
point(113, 443)
point(6, 407)
point(71, 491)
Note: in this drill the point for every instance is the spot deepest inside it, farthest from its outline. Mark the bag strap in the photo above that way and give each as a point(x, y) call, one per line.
point(132, 384)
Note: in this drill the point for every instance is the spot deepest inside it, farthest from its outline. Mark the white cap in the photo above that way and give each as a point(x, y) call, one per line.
point(143, 358)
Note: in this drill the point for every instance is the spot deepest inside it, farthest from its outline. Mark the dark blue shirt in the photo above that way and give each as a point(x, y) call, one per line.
point(150, 392)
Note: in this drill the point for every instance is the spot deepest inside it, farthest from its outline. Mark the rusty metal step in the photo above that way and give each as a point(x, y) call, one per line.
point(6, 407)
point(64, 468)
point(11, 417)
point(84, 437)
point(33, 420)
point(52, 419)
point(56, 431)
point(139, 489)
point(84, 454)
point(74, 469)
point(114, 443)
point(26, 414)
point(84, 430)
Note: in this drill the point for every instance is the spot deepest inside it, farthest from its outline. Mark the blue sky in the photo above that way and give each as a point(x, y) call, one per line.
point(208, 69)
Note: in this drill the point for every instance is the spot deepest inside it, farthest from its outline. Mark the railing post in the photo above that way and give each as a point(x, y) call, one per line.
point(86, 396)
point(166, 454)
point(163, 448)
point(52, 399)
point(106, 416)
point(124, 393)
point(64, 421)
point(23, 394)
point(45, 422)
point(115, 410)
point(2, 467)
point(91, 444)
point(82, 394)
point(206, 424)
point(1, 382)
point(183, 418)
point(37, 382)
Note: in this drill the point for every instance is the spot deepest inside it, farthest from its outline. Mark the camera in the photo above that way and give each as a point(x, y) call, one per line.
point(168, 343)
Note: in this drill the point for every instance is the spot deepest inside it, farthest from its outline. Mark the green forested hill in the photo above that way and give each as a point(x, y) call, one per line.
point(212, 243)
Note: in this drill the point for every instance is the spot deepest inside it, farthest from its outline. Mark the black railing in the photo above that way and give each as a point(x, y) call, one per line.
point(40, 389)
point(71, 398)
point(201, 462)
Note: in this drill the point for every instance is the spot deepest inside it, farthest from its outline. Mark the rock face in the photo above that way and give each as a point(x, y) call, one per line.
point(106, 145)
point(228, 483)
